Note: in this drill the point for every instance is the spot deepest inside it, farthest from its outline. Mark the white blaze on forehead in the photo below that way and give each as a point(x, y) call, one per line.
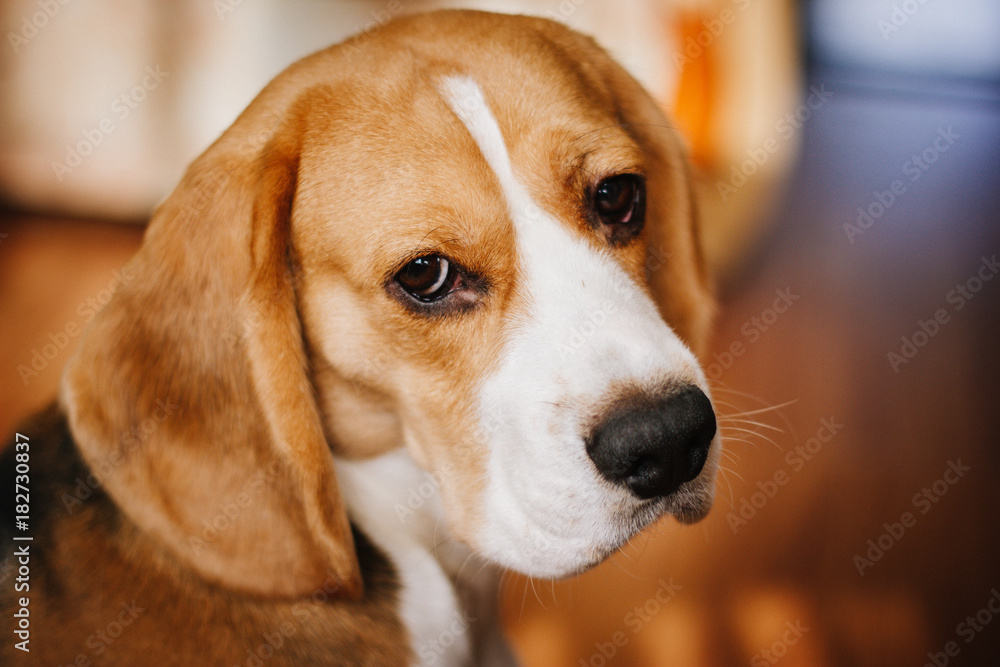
point(466, 99)
point(588, 325)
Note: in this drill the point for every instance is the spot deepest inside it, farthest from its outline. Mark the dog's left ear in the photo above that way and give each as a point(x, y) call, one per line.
point(191, 398)
point(675, 264)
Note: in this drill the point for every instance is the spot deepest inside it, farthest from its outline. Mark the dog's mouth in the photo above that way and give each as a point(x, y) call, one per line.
point(561, 532)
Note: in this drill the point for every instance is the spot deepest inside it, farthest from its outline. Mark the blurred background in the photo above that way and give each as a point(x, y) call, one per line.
point(848, 158)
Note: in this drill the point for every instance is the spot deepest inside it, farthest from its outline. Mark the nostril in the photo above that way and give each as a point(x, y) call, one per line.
point(653, 446)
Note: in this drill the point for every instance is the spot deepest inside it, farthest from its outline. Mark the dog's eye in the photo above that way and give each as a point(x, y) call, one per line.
point(620, 201)
point(428, 278)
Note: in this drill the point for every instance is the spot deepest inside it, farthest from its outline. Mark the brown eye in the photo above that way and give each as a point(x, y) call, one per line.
point(618, 201)
point(427, 278)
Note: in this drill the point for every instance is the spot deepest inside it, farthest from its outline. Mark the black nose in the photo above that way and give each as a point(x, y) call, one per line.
point(652, 446)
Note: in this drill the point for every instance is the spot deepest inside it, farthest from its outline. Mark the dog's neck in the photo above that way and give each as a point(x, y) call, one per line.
point(448, 596)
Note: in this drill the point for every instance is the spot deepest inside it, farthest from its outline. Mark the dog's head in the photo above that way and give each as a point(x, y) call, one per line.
point(467, 234)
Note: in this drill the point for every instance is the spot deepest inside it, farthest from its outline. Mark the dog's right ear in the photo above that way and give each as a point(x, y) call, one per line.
point(190, 396)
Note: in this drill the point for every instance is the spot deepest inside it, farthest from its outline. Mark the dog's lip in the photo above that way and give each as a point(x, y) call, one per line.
point(694, 510)
point(690, 515)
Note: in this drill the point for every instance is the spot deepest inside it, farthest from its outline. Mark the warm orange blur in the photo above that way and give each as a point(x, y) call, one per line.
point(855, 364)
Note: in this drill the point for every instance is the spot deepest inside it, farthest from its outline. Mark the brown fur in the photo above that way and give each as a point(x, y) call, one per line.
point(254, 333)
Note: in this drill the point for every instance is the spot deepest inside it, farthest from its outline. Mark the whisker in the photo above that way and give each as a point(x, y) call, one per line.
point(729, 418)
point(753, 432)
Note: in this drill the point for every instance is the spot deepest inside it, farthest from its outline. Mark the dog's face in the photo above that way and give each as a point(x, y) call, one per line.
point(478, 291)
point(465, 234)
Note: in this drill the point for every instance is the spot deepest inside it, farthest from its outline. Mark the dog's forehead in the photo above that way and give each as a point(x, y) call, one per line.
point(410, 160)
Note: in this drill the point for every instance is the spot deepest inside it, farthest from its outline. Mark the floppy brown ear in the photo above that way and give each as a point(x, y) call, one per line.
point(675, 263)
point(190, 396)
point(677, 272)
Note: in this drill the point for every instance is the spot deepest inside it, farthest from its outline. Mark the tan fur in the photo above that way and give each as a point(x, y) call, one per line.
point(258, 314)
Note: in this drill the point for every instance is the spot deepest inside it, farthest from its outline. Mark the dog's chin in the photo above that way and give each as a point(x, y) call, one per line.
point(556, 540)
point(686, 508)
point(573, 564)
point(554, 557)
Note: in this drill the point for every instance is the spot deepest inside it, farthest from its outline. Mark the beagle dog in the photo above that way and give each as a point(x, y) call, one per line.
point(428, 309)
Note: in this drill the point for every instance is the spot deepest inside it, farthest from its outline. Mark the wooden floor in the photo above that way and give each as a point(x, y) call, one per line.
point(857, 519)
